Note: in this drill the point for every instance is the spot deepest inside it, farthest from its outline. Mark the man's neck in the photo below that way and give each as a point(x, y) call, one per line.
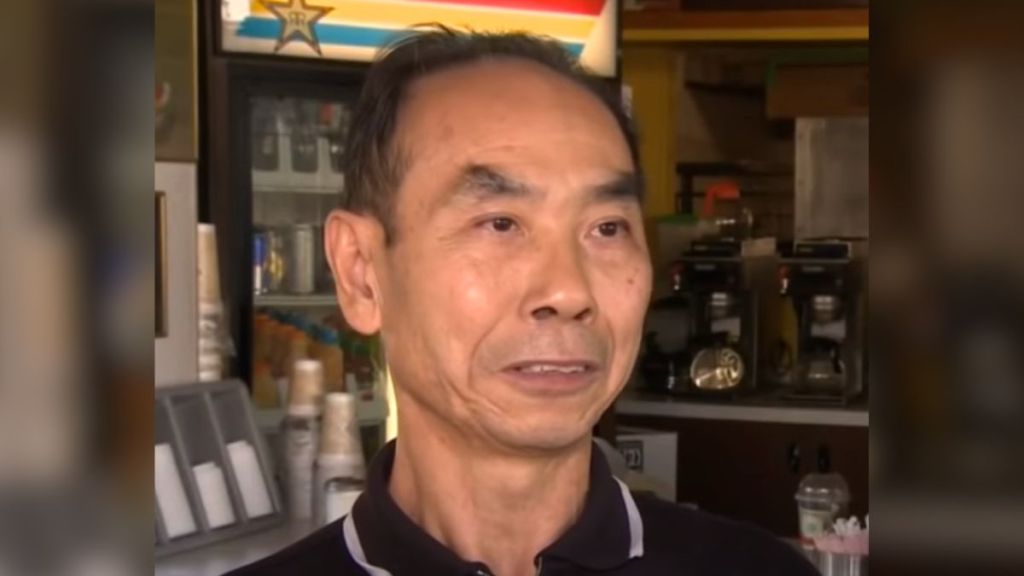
point(501, 510)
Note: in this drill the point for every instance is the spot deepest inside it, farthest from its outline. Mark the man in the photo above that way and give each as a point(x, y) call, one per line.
point(492, 233)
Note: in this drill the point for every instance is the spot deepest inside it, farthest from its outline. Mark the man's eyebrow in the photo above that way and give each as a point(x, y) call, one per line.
point(624, 186)
point(480, 182)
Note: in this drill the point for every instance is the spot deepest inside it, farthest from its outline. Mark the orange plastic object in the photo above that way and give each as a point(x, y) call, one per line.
point(724, 190)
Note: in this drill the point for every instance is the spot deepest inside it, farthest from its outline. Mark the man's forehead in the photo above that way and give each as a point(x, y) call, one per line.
point(474, 112)
point(512, 71)
point(493, 90)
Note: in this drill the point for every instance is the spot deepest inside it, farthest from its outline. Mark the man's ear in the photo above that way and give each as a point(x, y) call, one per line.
point(349, 243)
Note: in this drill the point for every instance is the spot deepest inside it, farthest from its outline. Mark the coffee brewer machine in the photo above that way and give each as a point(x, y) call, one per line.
point(732, 304)
point(826, 280)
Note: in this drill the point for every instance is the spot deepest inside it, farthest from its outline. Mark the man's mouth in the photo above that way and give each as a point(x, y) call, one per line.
point(553, 377)
point(553, 367)
point(546, 368)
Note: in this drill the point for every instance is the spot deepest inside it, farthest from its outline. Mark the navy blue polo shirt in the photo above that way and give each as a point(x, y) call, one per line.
point(617, 534)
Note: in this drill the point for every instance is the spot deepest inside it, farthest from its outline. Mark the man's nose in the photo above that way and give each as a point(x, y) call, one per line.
point(560, 287)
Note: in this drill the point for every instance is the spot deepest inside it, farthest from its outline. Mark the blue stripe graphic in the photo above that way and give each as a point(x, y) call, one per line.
point(343, 34)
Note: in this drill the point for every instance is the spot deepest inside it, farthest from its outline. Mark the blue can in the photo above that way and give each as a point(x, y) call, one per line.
point(260, 281)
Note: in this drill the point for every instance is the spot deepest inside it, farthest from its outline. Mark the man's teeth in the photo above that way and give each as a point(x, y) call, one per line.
point(543, 368)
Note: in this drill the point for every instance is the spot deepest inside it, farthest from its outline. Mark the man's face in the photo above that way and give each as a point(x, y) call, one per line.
point(513, 296)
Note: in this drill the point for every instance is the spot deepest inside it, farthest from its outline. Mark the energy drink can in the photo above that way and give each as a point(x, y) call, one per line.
point(259, 262)
point(275, 262)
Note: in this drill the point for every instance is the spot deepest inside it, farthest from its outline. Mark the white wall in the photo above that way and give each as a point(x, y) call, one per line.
point(176, 354)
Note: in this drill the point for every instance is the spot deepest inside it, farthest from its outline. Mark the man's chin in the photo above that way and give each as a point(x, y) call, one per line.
point(535, 436)
point(529, 423)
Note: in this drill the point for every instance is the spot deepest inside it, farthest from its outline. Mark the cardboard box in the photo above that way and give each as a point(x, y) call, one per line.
point(653, 454)
point(818, 91)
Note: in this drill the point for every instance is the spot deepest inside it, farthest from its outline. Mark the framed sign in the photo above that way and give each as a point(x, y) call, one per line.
point(354, 30)
point(175, 74)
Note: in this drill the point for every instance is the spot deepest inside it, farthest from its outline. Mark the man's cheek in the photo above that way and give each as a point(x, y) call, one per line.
point(626, 297)
point(628, 287)
point(473, 285)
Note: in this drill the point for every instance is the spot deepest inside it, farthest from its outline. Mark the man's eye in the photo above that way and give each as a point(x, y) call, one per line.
point(611, 229)
point(501, 224)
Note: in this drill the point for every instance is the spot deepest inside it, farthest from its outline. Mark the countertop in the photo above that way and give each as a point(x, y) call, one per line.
point(216, 559)
point(755, 409)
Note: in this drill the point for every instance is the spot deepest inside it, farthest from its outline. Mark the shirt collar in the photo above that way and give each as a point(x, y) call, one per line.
point(608, 533)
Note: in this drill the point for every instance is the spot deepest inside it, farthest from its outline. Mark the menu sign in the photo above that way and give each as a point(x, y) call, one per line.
point(355, 30)
point(175, 71)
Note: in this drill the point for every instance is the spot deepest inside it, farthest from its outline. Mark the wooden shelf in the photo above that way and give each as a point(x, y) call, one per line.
point(829, 25)
point(309, 190)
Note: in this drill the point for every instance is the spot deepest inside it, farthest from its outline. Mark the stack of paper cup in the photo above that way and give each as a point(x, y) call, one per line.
point(209, 274)
point(306, 387)
point(341, 450)
point(340, 468)
point(211, 348)
point(211, 310)
point(301, 430)
point(339, 434)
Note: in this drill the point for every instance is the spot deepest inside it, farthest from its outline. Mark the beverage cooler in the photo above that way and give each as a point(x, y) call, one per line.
point(271, 153)
point(278, 81)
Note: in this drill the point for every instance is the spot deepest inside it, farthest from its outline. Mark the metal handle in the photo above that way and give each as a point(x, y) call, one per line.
point(793, 457)
point(824, 459)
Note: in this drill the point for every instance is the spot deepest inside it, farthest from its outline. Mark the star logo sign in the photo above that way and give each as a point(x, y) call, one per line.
point(297, 19)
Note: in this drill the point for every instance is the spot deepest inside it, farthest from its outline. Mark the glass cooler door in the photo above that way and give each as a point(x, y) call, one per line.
point(296, 146)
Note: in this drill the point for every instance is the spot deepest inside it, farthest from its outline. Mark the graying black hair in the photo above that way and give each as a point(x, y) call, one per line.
point(373, 166)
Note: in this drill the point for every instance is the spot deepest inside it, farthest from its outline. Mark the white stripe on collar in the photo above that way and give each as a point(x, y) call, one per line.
point(636, 524)
point(636, 534)
point(355, 548)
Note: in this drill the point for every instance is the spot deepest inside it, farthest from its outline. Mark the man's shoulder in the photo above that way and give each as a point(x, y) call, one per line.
point(709, 544)
point(322, 552)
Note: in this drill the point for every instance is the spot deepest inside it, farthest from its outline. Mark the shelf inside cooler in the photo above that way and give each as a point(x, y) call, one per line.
point(296, 300)
point(324, 177)
point(296, 189)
